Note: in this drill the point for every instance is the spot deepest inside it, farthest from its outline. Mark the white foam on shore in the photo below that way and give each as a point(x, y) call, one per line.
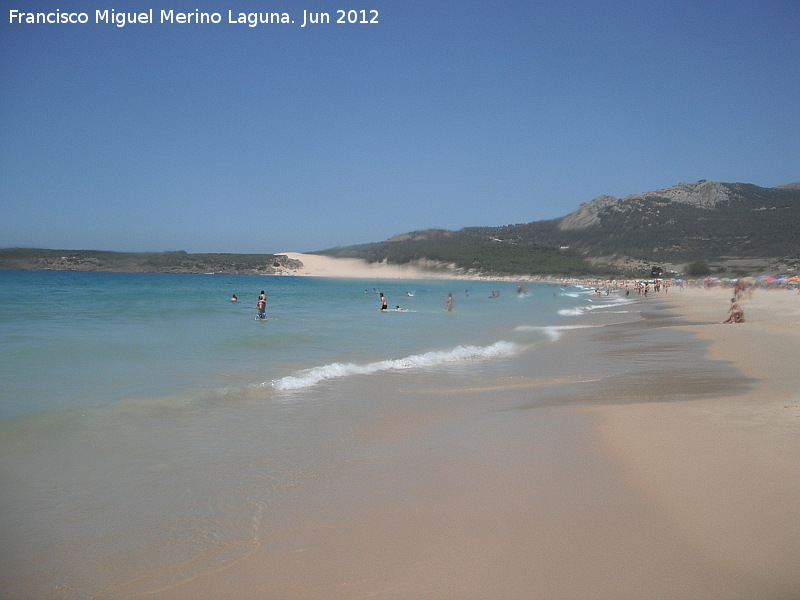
point(553, 332)
point(579, 310)
point(311, 377)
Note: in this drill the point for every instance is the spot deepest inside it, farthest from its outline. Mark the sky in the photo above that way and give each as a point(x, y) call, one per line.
point(230, 138)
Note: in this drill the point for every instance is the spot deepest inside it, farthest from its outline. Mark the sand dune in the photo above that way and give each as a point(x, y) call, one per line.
point(355, 268)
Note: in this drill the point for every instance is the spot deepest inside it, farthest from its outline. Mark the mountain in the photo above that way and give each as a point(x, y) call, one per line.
point(735, 228)
point(704, 220)
point(733, 225)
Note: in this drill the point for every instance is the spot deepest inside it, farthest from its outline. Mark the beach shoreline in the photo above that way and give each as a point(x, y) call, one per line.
point(659, 493)
point(726, 470)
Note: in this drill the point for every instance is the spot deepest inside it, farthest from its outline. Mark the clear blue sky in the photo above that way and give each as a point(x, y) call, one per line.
point(226, 138)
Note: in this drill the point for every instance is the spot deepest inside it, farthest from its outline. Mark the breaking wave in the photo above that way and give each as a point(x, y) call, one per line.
point(572, 312)
point(553, 332)
point(313, 376)
point(579, 310)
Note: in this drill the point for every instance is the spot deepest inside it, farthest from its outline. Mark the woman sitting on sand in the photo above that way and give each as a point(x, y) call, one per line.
point(736, 313)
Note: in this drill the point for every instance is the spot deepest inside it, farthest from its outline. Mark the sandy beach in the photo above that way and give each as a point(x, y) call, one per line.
point(315, 265)
point(678, 478)
point(725, 471)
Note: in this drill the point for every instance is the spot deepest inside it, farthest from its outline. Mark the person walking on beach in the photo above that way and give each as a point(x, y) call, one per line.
point(261, 305)
point(384, 304)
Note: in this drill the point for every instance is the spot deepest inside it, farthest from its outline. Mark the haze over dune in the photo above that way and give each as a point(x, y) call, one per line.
point(317, 265)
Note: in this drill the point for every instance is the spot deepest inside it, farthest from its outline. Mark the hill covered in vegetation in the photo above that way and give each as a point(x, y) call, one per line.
point(729, 225)
point(145, 262)
point(706, 226)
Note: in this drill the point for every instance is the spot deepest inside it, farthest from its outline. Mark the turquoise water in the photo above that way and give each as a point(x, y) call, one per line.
point(148, 424)
point(69, 340)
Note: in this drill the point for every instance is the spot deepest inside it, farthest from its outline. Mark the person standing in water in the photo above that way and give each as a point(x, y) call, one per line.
point(261, 305)
point(384, 304)
point(449, 306)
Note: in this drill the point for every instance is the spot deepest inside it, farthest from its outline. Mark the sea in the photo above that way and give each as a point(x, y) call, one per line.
point(148, 423)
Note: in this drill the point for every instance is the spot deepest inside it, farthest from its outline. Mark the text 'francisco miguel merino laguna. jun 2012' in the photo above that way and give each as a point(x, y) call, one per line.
point(196, 17)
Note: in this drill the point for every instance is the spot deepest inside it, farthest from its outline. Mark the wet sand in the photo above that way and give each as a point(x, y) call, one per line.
point(725, 471)
point(652, 459)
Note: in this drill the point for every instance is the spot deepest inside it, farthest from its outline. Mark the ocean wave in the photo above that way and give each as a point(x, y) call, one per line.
point(553, 332)
point(576, 311)
point(311, 377)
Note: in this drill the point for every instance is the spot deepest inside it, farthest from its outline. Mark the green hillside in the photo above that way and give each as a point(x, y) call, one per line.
point(704, 221)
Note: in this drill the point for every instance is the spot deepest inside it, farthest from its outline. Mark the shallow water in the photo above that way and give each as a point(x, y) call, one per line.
point(148, 424)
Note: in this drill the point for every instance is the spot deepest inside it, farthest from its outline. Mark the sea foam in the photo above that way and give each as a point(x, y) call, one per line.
point(434, 358)
point(553, 332)
point(579, 310)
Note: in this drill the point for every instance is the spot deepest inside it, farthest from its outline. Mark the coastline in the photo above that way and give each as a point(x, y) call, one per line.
point(689, 493)
point(725, 471)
